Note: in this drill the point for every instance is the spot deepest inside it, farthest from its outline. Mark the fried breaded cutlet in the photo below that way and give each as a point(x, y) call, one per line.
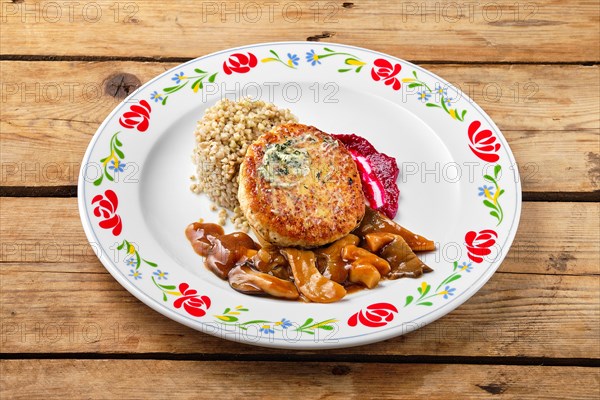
point(299, 187)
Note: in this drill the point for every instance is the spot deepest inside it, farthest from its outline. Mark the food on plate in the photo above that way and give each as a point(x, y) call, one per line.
point(222, 138)
point(323, 275)
point(222, 251)
point(378, 173)
point(402, 261)
point(330, 259)
point(314, 286)
point(365, 268)
point(299, 187)
point(375, 221)
point(303, 193)
point(248, 280)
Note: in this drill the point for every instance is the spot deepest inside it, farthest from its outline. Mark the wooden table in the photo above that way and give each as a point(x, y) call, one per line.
point(70, 330)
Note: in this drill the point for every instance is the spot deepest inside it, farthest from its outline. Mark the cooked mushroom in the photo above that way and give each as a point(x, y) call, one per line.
point(310, 275)
point(374, 221)
point(329, 259)
point(227, 251)
point(309, 280)
point(353, 254)
point(397, 253)
point(247, 280)
point(365, 268)
point(365, 274)
point(198, 234)
point(282, 272)
point(268, 258)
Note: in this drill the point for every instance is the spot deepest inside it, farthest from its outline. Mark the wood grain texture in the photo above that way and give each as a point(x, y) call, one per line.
point(52, 109)
point(553, 30)
point(56, 297)
point(109, 379)
point(79, 308)
point(58, 303)
point(553, 238)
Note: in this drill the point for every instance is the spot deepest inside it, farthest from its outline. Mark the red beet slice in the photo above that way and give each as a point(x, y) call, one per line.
point(378, 173)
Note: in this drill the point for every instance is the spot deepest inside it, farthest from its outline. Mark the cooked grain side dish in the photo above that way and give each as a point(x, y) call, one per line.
point(222, 138)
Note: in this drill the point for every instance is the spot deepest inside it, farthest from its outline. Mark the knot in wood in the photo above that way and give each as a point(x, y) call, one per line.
point(121, 85)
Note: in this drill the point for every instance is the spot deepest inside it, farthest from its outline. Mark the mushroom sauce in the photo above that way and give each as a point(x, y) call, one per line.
point(377, 249)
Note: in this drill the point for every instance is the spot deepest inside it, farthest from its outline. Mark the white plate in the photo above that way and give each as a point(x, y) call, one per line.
point(459, 186)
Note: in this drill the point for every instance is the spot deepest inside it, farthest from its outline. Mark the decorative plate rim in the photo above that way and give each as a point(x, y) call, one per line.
point(375, 336)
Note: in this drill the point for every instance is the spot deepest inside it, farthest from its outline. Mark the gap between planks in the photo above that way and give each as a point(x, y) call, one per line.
point(316, 357)
point(69, 191)
point(545, 32)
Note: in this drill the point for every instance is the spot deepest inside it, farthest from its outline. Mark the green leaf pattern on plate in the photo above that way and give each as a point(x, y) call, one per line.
point(182, 80)
point(112, 161)
point(426, 299)
point(292, 59)
point(441, 92)
point(231, 317)
point(492, 195)
point(167, 289)
point(136, 259)
point(353, 62)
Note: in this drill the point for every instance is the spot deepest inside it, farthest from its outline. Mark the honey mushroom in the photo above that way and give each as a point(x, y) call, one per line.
point(309, 280)
point(227, 251)
point(397, 253)
point(366, 268)
point(247, 280)
point(374, 221)
point(269, 260)
point(329, 259)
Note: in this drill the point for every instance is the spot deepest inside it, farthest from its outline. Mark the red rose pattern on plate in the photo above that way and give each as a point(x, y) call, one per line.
point(483, 143)
point(374, 316)
point(106, 208)
point(191, 301)
point(386, 71)
point(240, 63)
point(137, 117)
point(478, 244)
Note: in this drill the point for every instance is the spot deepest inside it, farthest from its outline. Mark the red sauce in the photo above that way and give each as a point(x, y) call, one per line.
point(378, 173)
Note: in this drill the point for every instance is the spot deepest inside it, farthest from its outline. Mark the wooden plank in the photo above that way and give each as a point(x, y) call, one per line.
point(54, 308)
point(67, 302)
point(109, 379)
point(556, 238)
point(553, 238)
point(554, 30)
point(536, 106)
